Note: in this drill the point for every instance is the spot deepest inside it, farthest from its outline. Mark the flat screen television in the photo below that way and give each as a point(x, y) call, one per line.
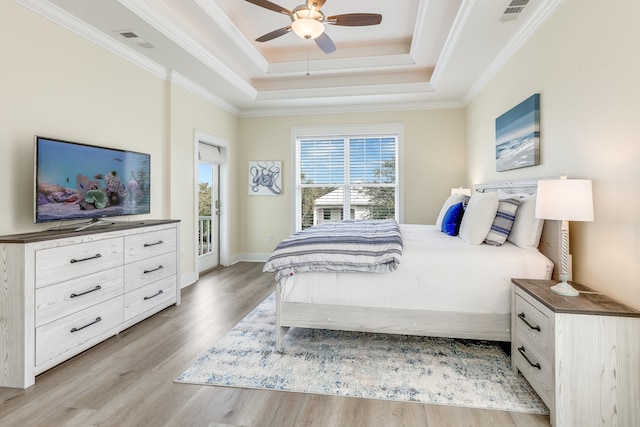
point(75, 181)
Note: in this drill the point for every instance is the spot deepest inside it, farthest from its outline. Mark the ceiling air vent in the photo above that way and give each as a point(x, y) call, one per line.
point(135, 38)
point(514, 10)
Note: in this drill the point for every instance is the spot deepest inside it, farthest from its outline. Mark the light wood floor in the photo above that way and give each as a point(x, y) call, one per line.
point(128, 379)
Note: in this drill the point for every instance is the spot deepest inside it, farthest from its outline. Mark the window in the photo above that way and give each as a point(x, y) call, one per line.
point(355, 174)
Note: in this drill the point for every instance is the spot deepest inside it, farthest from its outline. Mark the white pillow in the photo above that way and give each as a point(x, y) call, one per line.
point(478, 217)
point(451, 200)
point(527, 229)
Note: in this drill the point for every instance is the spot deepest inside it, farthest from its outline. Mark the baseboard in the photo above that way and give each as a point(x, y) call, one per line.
point(188, 279)
point(250, 257)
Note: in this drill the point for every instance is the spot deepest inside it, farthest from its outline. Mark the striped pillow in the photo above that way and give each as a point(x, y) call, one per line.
point(503, 222)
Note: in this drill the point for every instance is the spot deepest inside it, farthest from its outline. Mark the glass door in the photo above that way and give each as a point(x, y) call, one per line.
point(208, 215)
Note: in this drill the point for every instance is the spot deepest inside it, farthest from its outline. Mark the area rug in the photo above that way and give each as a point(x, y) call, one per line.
point(441, 371)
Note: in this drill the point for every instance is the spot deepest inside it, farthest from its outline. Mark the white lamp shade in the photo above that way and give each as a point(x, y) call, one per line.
point(460, 190)
point(565, 199)
point(307, 28)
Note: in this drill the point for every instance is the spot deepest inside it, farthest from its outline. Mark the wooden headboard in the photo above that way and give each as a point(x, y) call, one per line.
point(550, 242)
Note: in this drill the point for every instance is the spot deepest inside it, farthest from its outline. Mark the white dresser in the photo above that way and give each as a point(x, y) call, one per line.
point(580, 354)
point(62, 292)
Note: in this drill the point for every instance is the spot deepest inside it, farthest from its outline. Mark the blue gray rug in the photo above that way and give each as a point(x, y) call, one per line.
point(439, 371)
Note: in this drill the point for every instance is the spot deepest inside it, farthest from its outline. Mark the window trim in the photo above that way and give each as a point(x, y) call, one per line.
point(396, 129)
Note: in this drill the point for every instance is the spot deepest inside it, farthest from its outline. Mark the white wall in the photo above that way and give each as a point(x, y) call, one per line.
point(434, 162)
point(584, 62)
point(189, 112)
point(57, 84)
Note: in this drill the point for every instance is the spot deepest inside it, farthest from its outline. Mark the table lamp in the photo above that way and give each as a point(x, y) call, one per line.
point(565, 200)
point(460, 190)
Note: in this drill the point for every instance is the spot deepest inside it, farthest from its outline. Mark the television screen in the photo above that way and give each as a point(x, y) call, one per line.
point(79, 181)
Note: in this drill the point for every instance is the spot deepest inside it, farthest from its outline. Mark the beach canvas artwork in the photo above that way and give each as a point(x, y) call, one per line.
point(518, 136)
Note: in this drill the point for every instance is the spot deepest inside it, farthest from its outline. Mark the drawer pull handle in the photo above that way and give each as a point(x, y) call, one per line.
point(97, 288)
point(98, 319)
point(159, 242)
point(521, 350)
point(153, 269)
point(85, 259)
point(521, 316)
point(155, 295)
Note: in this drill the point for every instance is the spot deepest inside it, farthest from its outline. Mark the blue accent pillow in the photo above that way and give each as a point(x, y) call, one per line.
point(452, 219)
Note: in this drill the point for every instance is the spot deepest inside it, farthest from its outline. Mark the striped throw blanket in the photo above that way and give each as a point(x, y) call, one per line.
point(373, 246)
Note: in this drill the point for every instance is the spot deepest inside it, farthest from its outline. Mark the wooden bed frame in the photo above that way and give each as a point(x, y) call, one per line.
point(493, 327)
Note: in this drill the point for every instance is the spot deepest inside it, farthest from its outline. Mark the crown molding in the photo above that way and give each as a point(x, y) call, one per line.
point(182, 39)
point(541, 15)
point(421, 18)
point(61, 17)
point(203, 93)
point(368, 104)
point(452, 40)
point(217, 15)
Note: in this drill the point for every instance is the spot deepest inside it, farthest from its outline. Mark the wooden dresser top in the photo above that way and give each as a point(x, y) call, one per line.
point(40, 236)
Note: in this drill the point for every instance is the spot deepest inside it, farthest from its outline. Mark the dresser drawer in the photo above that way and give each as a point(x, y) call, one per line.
point(535, 367)
point(77, 260)
point(532, 324)
point(143, 299)
point(149, 244)
point(65, 298)
point(141, 273)
point(63, 335)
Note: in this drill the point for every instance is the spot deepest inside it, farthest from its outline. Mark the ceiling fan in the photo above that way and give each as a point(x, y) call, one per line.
point(308, 22)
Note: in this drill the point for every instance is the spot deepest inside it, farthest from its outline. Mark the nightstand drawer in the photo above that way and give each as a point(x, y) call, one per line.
point(532, 323)
point(535, 367)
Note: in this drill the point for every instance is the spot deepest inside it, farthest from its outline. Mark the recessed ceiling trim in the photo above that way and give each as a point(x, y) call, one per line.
point(61, 17)
point(345, 91)
point(419, 29)
point(544, 11)
point(462, 18)
point(370, 104)
point(182, 39)
point(341, 65)
point(189, 85)
point(217, 15)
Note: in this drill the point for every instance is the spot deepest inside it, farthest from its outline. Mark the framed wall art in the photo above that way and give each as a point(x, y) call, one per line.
point(265, 178)
point(518, 136)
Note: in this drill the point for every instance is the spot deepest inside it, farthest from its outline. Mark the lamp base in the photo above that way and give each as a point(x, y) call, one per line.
point(564, 288)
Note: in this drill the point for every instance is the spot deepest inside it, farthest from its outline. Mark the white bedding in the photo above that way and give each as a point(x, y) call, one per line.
point(438, 272)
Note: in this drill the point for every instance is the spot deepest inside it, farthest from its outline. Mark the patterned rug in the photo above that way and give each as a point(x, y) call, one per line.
point(441, 371)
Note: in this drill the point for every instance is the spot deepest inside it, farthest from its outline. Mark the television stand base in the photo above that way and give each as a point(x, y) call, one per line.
point(79, 226)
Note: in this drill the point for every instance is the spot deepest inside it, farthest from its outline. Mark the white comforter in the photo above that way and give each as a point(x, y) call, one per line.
point(438, 272)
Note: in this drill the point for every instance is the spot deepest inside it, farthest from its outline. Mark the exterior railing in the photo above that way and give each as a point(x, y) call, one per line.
point(204, 235)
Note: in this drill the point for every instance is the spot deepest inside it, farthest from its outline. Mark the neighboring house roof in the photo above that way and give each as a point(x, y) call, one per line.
point(336, 197)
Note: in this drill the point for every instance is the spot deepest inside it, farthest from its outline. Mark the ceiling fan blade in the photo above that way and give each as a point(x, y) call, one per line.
point(325, 43)
point(273, 34)
point(271, 6)
point(355, 19)
point(317, 4)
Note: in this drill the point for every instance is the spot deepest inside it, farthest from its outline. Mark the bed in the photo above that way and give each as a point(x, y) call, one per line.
point(439, 286)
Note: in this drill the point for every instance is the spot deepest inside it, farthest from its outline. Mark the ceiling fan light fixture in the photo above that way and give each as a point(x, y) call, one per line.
point(307, 28)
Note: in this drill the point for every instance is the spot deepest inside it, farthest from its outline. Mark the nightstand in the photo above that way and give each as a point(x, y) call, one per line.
point(580, 354)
